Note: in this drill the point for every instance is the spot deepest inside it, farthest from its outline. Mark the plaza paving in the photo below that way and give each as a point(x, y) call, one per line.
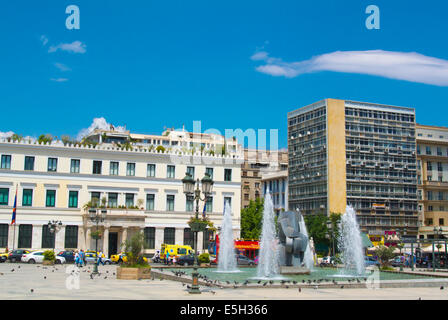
point(17, 281)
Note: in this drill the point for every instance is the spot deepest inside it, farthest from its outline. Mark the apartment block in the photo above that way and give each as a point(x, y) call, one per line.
point(355, 153)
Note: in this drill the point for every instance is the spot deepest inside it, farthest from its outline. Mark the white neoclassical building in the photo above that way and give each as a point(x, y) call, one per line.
point(139, 187)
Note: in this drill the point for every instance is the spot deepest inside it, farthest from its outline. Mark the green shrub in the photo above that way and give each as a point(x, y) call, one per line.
point(49, 255)
point(204, 258)
point(134, 251)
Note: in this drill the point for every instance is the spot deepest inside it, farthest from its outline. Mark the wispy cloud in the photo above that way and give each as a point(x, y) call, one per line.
point(59, 79)
point(43, 40)
point(74, 47)
point(62, 67)
point(409, 66)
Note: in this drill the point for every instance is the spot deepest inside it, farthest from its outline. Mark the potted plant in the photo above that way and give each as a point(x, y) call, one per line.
point(204, 259)
point(198, 224)
point(135, 267)
point(49, 257)
point(96, 234)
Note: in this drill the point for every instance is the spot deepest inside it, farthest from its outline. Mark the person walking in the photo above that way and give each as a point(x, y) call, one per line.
point(100, 259)
point(82, 258)
point(77, 262)
point(167, 258)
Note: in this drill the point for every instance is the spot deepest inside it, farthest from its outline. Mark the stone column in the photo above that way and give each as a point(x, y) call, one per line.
point(179, 236)
point(36, 242)
point(106, 241)
point(159, 238)
point(200, 242)
point(81, 238)
point(88, 239)
point(59, 241)
point(124, 235)
point(13, 241)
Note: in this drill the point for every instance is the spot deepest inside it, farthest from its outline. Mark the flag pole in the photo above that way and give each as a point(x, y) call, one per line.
point(14, 220)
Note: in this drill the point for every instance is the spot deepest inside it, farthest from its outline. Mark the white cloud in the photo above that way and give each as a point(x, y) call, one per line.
point(98, 123)
point(74, 47)
point(4, 135)
point(409, 66)
point(44, 40)
point(62, 67)
point(59, 79)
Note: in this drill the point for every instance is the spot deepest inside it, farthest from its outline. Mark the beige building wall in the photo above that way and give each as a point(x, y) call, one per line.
point(337, 188)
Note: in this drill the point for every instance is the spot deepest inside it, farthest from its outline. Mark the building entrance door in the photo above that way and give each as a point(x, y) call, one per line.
point(113, 243)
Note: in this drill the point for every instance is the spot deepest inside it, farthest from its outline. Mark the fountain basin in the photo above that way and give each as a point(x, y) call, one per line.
point(293, 270)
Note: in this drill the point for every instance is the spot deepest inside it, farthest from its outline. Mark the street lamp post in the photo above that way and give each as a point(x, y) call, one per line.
point(196, 226)
point(97, 216)
point(53, 227)
point(437, 232)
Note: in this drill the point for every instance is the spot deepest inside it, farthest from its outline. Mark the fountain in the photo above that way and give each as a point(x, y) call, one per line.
point(268, 265)
point(226, 256)
point(350, 244)
point(308, 259)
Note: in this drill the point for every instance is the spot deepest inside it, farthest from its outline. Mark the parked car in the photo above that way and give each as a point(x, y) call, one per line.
point(370, 261)
point(245, 261)
point(121, 257)
point(69, 255)
point(397, 261)
point(91, 257)
point(16, 255)
point(187, 260)
point(38, 257)
point(4, 256)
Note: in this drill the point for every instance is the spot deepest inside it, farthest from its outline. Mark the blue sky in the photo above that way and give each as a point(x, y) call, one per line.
point(150, 64)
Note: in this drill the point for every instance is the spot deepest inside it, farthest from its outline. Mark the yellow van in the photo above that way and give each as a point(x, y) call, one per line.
point(174, 250)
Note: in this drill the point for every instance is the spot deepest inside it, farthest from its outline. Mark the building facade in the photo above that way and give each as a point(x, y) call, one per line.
point(139, 187)
point(432, 165)
point(276, 183)
point(354, 153)
point(256, 163)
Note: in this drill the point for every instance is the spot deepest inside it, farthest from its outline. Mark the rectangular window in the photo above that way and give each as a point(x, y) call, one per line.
point(428, 150)
point(114, 168)
point(4, 228)
point(227, 174)
point(47, 237)
point(190, 171)
point(206, 239)
point(171, 172)
point(112, 200)
point(439, 151)
point(97, 167)
point(130, 169)
point(188, 237)
point(169, 235)
point(151, 170)
point(73, 199)
point(209, 171)
point(150, 202)
point(429, 166)
point(149, 238)
point(52, 164)
point(189, 205)
point(27, 197)
point(51, 198)
point(71, 237)
point(4, 196)
point(6, 162)
point(74, 165)
point(439, 166)
point(209, 204)
point(95, 199)
point(129, 200)
point(228, 200)
point(29, 163)
point(25, 235)
point(170, 202)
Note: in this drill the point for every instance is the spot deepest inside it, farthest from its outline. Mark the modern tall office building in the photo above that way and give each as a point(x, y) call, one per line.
point(432, 164)
point(138, 186)
point(354, 153)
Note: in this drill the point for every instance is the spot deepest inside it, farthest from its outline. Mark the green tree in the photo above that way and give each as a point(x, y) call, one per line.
point(134, 249)
point(384, 254)
point(316, 224)
point(251, 219)
point(44, 138)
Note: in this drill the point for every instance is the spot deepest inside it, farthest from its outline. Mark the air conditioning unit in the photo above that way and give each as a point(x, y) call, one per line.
point(308, 133)
point(386, 150)
point(363, 163)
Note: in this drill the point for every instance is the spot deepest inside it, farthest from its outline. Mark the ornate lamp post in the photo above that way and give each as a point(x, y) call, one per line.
point(437, 232)
point(97, 216)
point(53, 227)
point(196, 224)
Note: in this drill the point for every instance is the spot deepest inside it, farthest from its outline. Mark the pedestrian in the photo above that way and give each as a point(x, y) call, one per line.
point(167, 258)
point(82, 258)
point(174, 260)
point(77, 262)
point(100, 259)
